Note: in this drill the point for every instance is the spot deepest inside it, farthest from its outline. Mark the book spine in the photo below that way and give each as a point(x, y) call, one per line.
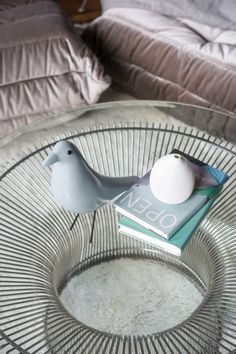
point(141, 222)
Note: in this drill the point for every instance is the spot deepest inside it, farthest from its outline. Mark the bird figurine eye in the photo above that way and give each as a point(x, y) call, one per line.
point(69, 152)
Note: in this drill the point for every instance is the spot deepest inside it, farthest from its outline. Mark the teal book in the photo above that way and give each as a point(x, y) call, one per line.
point(139, 204)
point(176, 244)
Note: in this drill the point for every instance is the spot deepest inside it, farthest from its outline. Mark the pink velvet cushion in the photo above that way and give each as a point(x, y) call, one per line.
point(153, 56)
point(44, 66)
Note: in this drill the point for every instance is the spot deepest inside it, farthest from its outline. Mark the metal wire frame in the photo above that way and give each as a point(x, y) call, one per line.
point(39, 255)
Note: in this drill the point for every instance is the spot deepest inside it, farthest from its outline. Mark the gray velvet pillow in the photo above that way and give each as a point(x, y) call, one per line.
point(44, 66)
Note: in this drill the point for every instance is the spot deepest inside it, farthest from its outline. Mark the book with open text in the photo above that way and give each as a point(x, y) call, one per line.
point(176, 244)
point(139, 204)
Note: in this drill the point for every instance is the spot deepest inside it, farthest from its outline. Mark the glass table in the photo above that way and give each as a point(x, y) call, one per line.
point(61, 294)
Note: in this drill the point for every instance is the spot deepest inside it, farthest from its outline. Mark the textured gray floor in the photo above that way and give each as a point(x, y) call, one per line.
point(128, 296)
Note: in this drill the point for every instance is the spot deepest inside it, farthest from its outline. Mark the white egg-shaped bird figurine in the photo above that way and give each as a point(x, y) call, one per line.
point(172, 180)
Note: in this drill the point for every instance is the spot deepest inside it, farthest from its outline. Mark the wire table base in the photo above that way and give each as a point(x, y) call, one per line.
point(39, 254)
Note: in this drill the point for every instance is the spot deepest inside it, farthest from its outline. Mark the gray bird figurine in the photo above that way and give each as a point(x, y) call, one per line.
point(76, 186)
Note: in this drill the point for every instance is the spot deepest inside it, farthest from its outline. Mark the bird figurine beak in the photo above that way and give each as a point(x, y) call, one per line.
point(51, 159)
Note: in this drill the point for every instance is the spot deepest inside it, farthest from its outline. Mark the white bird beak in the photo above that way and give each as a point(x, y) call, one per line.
point(51, 159)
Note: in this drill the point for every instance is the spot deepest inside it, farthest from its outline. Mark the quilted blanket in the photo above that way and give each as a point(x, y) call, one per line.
point(216, 13)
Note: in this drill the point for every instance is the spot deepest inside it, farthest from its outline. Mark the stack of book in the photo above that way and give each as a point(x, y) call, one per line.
point(167, 226)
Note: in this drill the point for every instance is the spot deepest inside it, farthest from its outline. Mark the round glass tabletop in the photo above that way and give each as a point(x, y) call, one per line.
point(59, 293)
point(108, 113)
